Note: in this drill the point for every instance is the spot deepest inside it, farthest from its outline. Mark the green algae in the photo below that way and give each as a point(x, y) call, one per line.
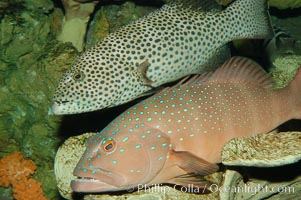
point(31, 63)
point(28, 98)
point(29, 71)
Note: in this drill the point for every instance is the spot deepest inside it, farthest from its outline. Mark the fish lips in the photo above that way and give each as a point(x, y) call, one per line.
point(65, 107)
point(100, 182)
point(58, 108)
point(91, 185)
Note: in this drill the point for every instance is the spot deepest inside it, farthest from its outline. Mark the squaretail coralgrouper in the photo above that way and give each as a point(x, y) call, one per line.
point(177, 135)
point(175, 40)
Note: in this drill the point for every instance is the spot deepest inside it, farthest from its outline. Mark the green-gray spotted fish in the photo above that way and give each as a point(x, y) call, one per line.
point(177, 135)
point(161, 47)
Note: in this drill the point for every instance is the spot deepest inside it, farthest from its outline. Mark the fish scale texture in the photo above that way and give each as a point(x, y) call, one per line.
point(175, 41)
point(177, 135)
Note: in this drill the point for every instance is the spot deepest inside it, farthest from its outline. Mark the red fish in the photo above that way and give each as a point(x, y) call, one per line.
point(176, 136)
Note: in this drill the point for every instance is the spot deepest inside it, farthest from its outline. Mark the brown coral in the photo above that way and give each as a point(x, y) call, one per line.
point(16, 171)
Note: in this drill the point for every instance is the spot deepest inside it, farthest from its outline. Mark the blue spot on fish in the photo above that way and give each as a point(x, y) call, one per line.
point(125, 139)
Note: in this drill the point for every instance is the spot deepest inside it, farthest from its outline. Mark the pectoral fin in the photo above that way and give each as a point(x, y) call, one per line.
point(141, 73)
point(195, 167)
point(193, 164)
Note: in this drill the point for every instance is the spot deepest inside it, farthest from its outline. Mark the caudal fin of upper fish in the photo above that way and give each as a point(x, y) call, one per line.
point(249, 19)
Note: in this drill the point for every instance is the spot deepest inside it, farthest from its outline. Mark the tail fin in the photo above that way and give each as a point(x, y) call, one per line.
point(295, 90)
point(250, 19)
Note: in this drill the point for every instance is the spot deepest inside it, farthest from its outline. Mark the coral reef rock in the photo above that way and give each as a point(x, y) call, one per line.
point(263, 150)
point(285, 68)
point(66, 159)
point(235, 188)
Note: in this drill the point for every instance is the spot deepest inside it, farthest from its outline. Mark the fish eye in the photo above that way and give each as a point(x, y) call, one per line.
point(109, 145)
point(78, 76)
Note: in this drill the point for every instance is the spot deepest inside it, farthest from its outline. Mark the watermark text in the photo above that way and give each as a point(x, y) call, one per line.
point(190, 188)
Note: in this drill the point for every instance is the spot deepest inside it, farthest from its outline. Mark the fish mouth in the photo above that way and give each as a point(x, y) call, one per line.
point(87, 184)
point(58, 107)
point(100, 182)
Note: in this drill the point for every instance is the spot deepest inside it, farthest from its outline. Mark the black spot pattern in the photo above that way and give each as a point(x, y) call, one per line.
point(176, 41)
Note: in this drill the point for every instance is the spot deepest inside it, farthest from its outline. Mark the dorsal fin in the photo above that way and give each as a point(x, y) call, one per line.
point(236, 69)
point(243, 70)
point(188, 80)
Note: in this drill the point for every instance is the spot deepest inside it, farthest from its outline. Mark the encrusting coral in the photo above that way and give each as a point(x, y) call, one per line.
point(263, 150)
point(16, 171)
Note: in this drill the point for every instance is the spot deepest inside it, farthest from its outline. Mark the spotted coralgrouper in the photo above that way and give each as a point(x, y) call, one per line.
point(162, 47)
point(177, 135)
